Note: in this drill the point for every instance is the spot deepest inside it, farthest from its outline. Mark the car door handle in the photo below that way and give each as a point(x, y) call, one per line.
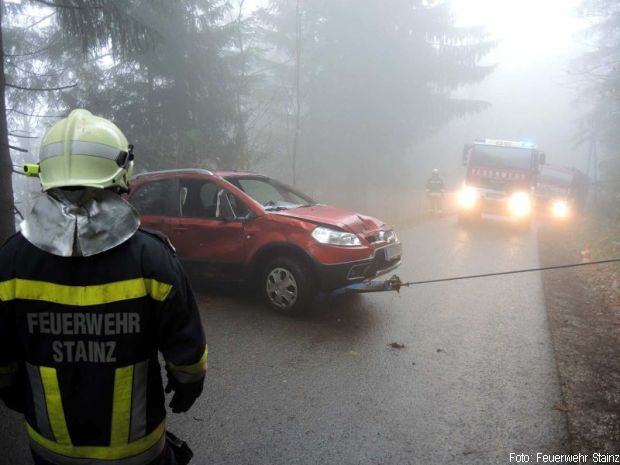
point(180, 228)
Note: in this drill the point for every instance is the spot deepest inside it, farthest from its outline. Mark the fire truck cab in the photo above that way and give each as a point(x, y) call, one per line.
point(499, 180)
point(561, 192)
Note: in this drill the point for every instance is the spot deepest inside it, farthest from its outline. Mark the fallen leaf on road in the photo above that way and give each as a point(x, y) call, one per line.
point(397, 345)
point(561, 408)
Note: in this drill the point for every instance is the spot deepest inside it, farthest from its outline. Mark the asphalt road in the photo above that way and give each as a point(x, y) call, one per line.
point(476, 380)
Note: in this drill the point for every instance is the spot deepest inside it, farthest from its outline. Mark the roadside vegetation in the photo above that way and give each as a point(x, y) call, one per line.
point(583, 306)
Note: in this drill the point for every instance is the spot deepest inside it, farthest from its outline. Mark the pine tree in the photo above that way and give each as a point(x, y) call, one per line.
point(374, 79)
point(178, 101)
point(599, 70)
point(32, 59)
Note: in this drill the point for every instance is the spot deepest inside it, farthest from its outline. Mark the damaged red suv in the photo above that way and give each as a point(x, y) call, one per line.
point(248, 227)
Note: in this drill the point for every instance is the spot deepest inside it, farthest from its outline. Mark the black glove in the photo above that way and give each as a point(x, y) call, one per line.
point(185, 394)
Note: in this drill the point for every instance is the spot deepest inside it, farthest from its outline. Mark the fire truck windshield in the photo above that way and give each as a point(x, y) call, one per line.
point(555, 177)
point(502, 157)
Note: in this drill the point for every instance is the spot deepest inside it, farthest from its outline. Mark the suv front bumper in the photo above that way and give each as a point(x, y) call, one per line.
point(344, 274)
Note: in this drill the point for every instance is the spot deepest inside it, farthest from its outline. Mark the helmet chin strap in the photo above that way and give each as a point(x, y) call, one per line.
point(127, 164)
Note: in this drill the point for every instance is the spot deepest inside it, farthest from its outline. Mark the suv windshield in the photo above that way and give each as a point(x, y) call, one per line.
point(273, 195)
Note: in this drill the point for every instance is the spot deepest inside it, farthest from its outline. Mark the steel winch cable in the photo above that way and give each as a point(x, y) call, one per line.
point(394, 283)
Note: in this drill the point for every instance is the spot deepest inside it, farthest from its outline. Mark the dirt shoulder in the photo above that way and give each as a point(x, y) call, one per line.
point(584, 316)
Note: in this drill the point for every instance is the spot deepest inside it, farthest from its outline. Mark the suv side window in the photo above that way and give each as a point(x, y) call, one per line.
point(241, 210)
point(198, 198)
point(156, 198)
point(201, 200)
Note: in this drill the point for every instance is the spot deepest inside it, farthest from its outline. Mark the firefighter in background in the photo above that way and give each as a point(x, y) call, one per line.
point(87, 300)
point(434, 191)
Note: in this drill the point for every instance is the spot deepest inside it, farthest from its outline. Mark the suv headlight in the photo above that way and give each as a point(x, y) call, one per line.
point(331, 236)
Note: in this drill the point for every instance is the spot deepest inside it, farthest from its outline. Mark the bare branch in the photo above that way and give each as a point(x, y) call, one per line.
point(19, 149)
point(27, 54)
point(38, 21)
point(56, 5)
point(17, 212)
point(35, 89)
point(274, 66)
point(12, 134)
point(13, 110)
point(33, 73)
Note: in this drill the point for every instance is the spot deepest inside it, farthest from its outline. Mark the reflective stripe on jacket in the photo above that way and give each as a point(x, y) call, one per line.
point(81, 335)
point(434, 185)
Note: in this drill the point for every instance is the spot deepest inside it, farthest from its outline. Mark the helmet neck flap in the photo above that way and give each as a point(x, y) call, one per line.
point(80, 222)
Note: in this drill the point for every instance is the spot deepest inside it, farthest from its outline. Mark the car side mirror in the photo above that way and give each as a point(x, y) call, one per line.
point(223, 207)
point(542, 158)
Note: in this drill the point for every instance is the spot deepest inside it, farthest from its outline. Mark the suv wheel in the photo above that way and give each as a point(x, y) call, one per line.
point(287, 285)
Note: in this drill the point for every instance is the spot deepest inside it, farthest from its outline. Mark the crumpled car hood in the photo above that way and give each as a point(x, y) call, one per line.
point(332, 216)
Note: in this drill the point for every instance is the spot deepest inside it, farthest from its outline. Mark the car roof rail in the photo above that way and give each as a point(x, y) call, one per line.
point(175, 171)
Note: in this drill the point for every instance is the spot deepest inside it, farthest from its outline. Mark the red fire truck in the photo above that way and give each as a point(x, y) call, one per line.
point(499, 180)
point(561, 192)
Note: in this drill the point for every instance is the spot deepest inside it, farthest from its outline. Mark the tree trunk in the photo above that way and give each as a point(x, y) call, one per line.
point(240, 158)
point(7, 212)
point(297, 89)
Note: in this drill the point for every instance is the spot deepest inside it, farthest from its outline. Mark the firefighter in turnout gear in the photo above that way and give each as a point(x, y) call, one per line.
point(87, 301)
point(434, 191)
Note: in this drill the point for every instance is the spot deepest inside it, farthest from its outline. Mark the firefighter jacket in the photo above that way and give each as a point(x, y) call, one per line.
point(434, 184)
point(80, 336)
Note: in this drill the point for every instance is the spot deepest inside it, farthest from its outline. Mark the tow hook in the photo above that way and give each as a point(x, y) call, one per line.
point(392, 284)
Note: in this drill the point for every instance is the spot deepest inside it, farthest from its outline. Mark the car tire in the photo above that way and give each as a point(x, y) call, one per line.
point(287, 285)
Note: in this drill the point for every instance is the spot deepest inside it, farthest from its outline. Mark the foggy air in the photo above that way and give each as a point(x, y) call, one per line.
point(331, 231)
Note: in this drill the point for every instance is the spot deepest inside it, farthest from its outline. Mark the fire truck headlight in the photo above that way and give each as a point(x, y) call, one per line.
point(520, 204)
point(560, 209)
point(467, 197)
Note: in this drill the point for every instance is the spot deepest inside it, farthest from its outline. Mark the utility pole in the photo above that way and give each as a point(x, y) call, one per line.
point(594, 149)
point(593, 166)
